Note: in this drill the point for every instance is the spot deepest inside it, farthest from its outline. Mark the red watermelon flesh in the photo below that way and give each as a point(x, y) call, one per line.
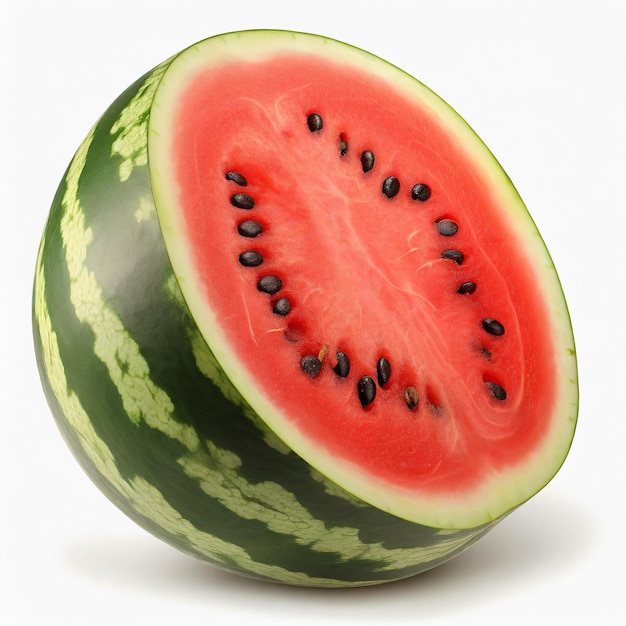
point(317, 201)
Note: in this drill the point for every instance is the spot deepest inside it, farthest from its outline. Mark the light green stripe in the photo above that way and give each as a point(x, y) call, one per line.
point(217, 471)
point(132, 126)
point(146, 211)
point(95, 449)
point(114, 346)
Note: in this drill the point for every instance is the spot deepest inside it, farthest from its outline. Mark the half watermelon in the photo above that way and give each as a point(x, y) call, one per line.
point(293, 318)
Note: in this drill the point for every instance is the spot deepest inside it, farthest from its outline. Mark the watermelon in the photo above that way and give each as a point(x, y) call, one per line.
point(292, 317)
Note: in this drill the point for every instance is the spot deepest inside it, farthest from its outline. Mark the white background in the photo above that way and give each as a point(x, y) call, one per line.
point(544, 84)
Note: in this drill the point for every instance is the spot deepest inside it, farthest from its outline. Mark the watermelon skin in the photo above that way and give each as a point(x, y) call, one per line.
point(148, 413)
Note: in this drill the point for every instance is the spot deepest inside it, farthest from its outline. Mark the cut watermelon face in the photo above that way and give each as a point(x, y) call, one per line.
point(365, 273)
point(292, 317)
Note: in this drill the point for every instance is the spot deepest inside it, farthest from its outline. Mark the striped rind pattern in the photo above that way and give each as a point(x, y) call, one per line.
point(149, 414)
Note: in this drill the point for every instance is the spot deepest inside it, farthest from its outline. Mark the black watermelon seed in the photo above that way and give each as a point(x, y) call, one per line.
point(236, 177)
point(242, 201)
point(343, 146)
point(391, 186)
point(367, 160)
point(411, 397)
point(455, 255)
point(366, 388)
point(249, 228)
point(468, 287)
point(420, 192)
point(383, 371)
point(447, 228)
point(281, 307)
point(270, 284)
point(497, 391)
point(250, 258)
point(493, 327)
point(342, 368)
point(315, 122)
point(486, 353)
point(311, 365)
